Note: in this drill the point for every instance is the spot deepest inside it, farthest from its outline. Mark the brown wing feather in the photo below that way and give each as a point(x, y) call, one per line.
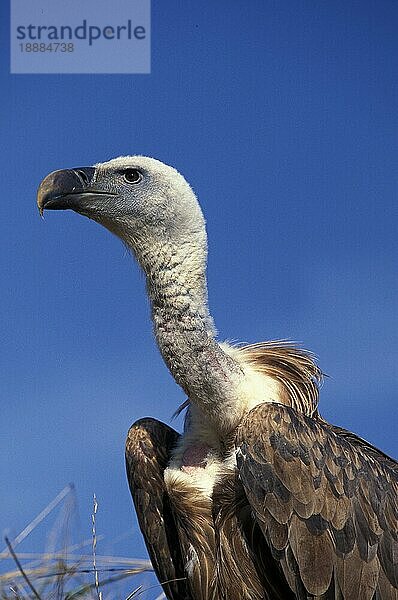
point(327, 504)
point(192, 513)
point(245, 568)
point(148, 448)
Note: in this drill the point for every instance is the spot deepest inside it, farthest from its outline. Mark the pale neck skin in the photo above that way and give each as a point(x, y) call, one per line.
point(184, 330)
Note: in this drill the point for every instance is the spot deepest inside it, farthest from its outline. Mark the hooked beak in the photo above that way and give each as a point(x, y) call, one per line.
point(68, 188)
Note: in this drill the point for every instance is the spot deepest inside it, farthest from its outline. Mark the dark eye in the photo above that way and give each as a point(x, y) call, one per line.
point(132, 175)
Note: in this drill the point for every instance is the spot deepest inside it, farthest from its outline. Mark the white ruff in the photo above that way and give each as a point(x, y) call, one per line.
point(255, 388)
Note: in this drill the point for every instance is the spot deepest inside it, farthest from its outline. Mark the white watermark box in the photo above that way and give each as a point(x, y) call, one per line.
point(75, 36)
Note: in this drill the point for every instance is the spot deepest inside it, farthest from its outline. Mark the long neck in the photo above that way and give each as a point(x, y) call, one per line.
point(184, 330)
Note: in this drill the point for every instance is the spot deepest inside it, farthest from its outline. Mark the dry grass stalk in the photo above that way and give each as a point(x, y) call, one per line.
point(94, 532)
point(66, 573)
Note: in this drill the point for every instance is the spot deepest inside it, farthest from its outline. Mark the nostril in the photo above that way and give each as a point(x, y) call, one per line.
point(82, 175)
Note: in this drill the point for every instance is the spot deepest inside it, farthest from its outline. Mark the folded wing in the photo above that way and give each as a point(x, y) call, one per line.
point(326, 502)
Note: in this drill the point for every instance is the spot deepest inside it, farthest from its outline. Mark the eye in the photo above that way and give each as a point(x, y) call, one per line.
point(132, 175)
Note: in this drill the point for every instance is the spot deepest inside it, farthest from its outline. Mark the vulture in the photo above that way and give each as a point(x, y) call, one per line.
point(260, 497)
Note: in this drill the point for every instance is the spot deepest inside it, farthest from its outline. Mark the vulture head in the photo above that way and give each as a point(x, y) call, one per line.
point(145, 202)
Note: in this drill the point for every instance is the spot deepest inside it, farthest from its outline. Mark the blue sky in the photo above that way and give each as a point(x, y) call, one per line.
point(283, 117)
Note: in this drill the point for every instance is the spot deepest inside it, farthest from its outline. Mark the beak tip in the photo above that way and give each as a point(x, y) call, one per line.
point(59, 184)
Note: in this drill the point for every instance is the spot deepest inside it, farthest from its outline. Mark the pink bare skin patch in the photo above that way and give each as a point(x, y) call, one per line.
point(194, 458)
